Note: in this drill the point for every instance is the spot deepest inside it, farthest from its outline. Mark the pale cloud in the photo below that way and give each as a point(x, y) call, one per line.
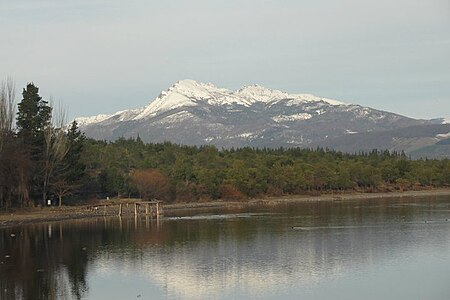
point(102, 56)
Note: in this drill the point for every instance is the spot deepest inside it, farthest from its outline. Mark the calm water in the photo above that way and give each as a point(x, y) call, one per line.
point(377, 249)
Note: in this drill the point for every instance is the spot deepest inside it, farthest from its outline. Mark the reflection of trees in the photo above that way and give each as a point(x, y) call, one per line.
point(53, 261)
point(49, 261)
point(35, 266)
point(259, 253)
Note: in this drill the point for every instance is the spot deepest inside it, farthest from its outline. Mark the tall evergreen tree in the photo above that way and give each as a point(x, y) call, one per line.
point(70, 171)
point(33, 116)
point(76, 141)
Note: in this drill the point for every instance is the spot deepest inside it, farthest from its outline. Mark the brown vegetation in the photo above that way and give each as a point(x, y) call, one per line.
point(151, 184)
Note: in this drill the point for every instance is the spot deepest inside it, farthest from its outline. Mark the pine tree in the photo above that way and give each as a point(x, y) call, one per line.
point(70, 171)
point(76, 140)
point(33, 118)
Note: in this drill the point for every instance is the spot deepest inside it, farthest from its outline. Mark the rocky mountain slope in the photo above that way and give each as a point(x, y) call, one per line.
point(195, 113)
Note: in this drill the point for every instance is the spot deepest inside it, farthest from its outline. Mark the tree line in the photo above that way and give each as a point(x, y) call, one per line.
point(129, 168)
point(42, 159)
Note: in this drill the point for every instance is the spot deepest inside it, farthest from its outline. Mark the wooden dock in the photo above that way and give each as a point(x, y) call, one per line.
point(153, 208)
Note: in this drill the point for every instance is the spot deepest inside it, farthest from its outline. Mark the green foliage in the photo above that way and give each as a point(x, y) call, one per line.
point(33, 122)
point(112, 181)
point(197, 173)
point(33, 116)
point(129, 167)
point(40, 160)
point(76, 140)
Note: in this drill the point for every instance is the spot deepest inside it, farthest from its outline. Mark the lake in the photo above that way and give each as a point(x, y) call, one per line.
point(396, 248)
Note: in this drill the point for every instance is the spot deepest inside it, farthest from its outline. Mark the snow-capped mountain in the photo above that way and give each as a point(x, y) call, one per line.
point(196, 113)
point(189, 93)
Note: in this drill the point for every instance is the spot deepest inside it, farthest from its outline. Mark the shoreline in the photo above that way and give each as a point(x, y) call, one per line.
point(68, 213)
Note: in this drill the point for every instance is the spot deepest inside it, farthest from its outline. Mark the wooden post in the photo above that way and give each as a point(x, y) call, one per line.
point(120, 209)
point(135, 209)
point(146, 208)
point(158, 224)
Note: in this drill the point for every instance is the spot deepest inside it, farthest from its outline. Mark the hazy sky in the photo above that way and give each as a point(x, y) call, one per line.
point(100, 56)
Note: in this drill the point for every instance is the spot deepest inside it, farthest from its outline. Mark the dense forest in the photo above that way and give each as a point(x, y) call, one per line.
point(42, 158)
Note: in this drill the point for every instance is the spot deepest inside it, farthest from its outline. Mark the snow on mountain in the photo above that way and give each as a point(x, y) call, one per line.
point(177, 117)
point(182, 93)
point(256, 93)
point(443, 135)
point(193, 113)
point(189, 93)
point(446, 121)
point(299, 98)
point(82, 121)
point(294, 117)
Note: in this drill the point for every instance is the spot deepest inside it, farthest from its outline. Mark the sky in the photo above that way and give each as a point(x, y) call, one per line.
point(102, 56)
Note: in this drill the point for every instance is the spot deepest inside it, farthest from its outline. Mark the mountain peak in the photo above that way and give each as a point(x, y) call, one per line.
point(186, 83)
point(251, 86)
point(190, 93)
point(257, 93)
point(191, 89)
point(196, 113)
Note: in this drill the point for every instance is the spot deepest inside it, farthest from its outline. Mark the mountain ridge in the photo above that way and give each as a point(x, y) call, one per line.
point(182, 92)
point(196, 113)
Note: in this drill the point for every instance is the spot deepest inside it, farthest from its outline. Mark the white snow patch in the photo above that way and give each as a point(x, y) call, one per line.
point(257, 93)
point(178, 95)
point(350, 132)
point(126, 115)
point(188, 93)
point(177, 117)
point(443, 135)
point(83, 121)
point(446, 121)
point(295, 117)
point(245, 134)
point(301, 98)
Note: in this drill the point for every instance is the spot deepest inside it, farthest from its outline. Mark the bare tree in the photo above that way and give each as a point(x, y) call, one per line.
point(62, 187)
point(55, 150)
point(9, 157)
point(7, 108)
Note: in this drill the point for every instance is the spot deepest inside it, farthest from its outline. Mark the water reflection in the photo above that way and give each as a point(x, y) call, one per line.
point(38, 262)
point(253, 252)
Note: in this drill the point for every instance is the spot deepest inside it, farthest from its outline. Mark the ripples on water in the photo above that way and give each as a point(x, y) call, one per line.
point(370, 249)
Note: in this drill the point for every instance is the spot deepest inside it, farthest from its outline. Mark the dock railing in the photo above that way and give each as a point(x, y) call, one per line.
point(153, 208)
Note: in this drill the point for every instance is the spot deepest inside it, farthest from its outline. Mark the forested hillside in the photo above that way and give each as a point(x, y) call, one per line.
point(128, 167)
point(41, 159)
